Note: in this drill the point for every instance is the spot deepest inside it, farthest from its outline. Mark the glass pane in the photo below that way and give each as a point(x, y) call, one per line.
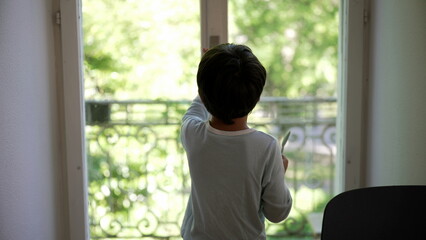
point(140, 61)
point(297, 43)
point(140, 49)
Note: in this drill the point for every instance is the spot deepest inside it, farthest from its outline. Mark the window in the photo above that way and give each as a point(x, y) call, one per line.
point(142, 128)
point(297, 42)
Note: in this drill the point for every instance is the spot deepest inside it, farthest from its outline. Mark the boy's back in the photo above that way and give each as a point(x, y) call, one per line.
point(237, 173)
point(237, 178)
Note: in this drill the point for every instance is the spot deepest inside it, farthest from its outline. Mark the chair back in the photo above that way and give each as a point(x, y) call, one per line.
point(388, 212)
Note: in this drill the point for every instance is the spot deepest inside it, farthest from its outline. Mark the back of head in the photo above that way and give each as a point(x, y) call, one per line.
point(230, 81)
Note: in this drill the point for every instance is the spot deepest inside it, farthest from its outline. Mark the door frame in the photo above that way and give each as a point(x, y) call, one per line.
point(352, 97)
point(352, 94)
point(69, 18)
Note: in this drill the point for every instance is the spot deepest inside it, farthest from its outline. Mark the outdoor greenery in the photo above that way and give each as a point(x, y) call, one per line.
point(138, 174)
point(149, 50)
point(140, 49)
point(144, 49)
point(295, 40)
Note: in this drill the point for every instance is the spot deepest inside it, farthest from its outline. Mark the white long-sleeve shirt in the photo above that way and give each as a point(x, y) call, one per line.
point(237, 179)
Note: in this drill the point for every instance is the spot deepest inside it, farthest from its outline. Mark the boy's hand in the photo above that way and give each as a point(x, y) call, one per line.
point(285, 162)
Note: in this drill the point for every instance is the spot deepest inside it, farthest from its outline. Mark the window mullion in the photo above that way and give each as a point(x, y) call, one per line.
point(214, 22)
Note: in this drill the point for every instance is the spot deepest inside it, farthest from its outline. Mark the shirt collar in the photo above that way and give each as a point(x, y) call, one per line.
point(228, 133)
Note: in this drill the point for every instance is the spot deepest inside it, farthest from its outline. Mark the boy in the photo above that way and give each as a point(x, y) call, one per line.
point(237, 172)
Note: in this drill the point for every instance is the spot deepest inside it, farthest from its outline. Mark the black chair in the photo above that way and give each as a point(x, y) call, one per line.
point(388, 212)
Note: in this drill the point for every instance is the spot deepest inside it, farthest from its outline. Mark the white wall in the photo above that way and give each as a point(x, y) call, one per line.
point(31, 201)
point(396, 144)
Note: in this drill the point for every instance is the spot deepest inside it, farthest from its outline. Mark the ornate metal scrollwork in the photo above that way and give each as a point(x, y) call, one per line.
point(139, 181)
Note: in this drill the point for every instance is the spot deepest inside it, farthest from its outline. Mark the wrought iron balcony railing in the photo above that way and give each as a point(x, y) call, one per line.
point(138, 175)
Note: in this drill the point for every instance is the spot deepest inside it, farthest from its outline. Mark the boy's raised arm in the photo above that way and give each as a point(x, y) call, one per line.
point(194, 116)
point(196, 111)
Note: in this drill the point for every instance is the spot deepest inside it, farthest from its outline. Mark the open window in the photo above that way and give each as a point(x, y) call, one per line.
point(127, 174)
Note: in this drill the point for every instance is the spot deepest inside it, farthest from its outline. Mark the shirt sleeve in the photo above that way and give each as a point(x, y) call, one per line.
point(194, 116)
point(197, 111)
point(276, 198)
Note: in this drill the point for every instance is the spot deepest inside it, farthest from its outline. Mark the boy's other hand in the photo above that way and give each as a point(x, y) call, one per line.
point(285, 162)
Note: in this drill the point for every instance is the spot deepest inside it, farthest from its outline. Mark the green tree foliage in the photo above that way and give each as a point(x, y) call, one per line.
point(145, 49)
point(296, 41)
point(150, 49)
point(140, 49)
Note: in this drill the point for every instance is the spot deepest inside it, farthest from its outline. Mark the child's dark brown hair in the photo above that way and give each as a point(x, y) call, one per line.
point(230, 81)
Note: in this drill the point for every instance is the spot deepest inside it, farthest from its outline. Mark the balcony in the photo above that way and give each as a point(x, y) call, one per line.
point(138, 174)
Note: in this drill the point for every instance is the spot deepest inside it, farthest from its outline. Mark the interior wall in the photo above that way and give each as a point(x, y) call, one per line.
point(30, 180)
point(396, 142)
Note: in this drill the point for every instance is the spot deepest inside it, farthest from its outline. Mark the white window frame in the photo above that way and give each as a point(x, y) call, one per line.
point(351, 104)
point(352, 94)
point(69, 18)
point(214, 22)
